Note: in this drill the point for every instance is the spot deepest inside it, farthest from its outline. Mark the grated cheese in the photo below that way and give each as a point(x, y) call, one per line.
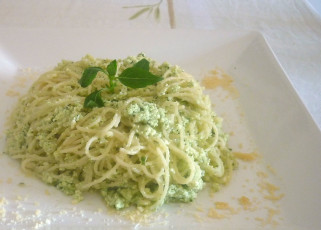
point(217, 78)
point(245, 202)
point(214, 214)
point(271, 189)
point(246, 156)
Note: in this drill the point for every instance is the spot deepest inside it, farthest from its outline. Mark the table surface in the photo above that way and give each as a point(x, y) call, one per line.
point(292, 28)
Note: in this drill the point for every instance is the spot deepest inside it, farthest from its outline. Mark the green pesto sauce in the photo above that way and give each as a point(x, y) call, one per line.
point(148, 118)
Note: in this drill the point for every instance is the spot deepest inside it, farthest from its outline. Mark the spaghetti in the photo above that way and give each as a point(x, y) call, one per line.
point(145, 147)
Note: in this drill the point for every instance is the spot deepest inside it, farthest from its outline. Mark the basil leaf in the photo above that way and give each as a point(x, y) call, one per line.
point(143, 64)
point(94, 100)
point(112, 68)
point(89, 75)
point(138, 78)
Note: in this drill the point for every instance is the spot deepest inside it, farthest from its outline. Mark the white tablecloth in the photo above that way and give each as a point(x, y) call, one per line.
point(291, 27)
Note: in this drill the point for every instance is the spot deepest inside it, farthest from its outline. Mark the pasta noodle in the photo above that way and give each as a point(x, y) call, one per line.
point(145, 147)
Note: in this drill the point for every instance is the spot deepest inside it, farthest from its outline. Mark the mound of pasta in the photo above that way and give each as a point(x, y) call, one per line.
point(138, 146)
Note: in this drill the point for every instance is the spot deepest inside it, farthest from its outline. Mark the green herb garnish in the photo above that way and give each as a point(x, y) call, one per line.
point(142, 64)
point(137, 76)
point(143, 160)
point(94, 100)
point(89, 75)
point(112, 68)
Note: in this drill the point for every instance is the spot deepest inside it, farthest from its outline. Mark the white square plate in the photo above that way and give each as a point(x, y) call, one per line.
point(268, 117)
